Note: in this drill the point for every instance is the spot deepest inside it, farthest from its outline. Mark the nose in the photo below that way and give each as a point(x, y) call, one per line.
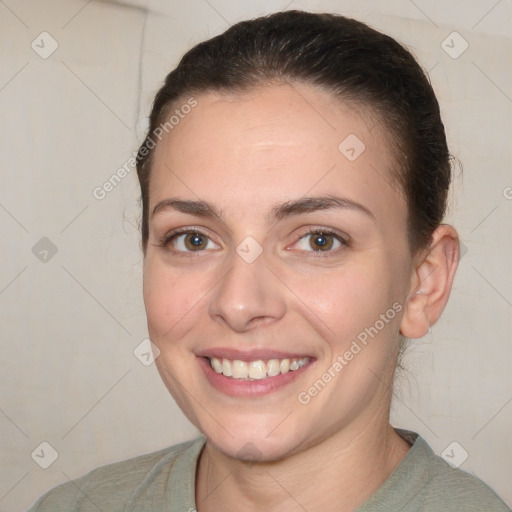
point(249, 295)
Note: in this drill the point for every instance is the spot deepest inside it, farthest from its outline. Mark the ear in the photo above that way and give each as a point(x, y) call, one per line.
point(431, 282)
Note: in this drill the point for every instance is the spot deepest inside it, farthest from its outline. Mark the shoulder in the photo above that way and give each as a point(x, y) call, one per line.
point(115, 485)
point(454, 489)
point(425, 482)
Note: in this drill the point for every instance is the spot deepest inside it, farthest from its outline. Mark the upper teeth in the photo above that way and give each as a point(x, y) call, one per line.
point(256, 369)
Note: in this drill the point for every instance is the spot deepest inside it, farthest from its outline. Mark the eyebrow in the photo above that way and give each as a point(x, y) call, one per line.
point(312, 204)
point(204, 209)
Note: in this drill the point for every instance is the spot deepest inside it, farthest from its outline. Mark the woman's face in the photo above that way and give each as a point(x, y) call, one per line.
point(294, 263)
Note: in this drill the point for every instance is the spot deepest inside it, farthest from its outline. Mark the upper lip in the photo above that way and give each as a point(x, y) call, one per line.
point(249, 355)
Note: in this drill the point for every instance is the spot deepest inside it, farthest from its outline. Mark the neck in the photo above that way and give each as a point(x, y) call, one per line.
point(339, 473)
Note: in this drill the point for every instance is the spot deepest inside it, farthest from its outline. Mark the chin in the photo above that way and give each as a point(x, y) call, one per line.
point(254, 438)
point(252, 448)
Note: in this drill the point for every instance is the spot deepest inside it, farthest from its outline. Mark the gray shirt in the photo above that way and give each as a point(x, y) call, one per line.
point(164, 481)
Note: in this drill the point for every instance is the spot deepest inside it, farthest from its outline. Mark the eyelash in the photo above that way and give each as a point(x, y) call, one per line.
point(164, 241)
point(327, 232)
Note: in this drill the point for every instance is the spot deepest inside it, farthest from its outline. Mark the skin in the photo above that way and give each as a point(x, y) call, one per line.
point(243, 154)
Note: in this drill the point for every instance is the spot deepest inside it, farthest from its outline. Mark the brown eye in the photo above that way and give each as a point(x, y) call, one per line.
point(321, 241)
point(195, 241)
point(188, 241)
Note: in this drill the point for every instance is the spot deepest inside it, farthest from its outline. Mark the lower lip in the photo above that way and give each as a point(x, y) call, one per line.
point(248, 388)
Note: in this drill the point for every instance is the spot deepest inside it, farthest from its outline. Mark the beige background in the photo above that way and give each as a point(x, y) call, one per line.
point(70, 321)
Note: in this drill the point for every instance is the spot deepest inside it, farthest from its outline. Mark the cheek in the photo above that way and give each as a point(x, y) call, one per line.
point(171, 300)
point(342, 303)
point(341, 297)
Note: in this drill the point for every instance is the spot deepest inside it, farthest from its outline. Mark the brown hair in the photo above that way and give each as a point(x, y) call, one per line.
point(345, 57)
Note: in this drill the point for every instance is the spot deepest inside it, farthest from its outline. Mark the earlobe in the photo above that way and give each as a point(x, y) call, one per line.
point(431, 283)
point(415, 322)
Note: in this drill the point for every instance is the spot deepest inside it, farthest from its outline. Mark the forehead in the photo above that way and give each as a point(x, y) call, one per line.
point(274, 142)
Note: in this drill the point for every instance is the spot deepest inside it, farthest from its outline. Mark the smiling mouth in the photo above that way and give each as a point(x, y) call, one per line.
point(257, 369)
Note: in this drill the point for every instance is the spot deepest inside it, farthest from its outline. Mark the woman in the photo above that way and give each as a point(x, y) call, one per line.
point(294, 181)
